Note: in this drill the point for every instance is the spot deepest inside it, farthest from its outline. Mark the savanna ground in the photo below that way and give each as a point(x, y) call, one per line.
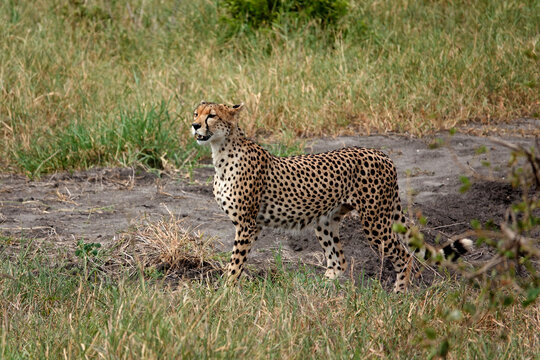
point(111, 245)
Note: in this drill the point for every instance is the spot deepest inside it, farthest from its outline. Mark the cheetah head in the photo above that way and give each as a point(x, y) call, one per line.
point(213, 122)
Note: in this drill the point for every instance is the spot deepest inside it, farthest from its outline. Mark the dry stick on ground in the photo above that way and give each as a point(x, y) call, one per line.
point(19, 228)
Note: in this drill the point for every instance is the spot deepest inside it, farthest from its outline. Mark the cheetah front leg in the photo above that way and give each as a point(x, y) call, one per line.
point(246, 235)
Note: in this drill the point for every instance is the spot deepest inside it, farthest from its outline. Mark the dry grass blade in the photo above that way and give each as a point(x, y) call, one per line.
point(166, 247)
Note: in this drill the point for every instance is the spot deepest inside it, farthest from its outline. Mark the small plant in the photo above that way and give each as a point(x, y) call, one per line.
point(85, 250)
point(436, 143)
point(512, 271)
point(509, 279)
point(466, 183)
point(511, 275)
point(166, 249)
point(90, 255)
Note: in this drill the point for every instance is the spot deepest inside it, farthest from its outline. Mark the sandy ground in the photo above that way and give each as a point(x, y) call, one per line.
point(98, 204)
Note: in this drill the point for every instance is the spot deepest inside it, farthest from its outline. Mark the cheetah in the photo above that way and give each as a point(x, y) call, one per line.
point(255, 189)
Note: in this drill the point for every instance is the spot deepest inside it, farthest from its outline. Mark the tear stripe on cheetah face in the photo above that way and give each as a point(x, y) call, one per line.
point(212, 122)
point(256, 189)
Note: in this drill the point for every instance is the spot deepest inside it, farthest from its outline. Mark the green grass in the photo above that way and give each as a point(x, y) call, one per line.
point(144, 136)
point(70, 71)
point(55, 308)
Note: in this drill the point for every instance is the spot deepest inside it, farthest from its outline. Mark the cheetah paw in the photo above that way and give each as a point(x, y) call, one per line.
point(333, 273)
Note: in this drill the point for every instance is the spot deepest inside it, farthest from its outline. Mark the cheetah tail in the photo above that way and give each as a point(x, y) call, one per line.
point(455, 249)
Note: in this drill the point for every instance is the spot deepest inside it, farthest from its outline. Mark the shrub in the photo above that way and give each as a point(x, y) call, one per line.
point(263, 13)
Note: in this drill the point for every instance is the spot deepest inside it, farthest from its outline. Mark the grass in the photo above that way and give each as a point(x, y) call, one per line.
point(168, 249)
point(144, 136)
point(74, 75)
point(106, 83)
point(69, 307)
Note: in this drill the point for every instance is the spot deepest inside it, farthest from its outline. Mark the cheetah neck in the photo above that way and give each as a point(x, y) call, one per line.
point(226, 150)
point(232, 150)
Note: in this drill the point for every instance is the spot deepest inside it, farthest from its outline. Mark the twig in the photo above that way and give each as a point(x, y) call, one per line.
point(490, 264)
point(445, 226)
point(522, 243)
point(533, 159)
point(25, 228)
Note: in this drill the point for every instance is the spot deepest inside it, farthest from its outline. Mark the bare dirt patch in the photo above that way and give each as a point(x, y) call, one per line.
point(99, 204)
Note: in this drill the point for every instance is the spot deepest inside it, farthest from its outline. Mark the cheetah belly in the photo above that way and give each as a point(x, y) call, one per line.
point(291, 211)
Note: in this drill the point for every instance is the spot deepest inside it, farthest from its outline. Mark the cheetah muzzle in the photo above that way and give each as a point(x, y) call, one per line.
point(255, 189)
point(203, 138)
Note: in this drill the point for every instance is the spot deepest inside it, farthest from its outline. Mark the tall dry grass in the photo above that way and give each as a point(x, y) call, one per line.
point(389, 66)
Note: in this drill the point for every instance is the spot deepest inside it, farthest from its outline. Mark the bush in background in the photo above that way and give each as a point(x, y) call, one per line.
point(254, 14)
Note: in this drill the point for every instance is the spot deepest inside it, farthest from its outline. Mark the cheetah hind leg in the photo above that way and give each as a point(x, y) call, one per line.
point(389, 246)
point(327, 232)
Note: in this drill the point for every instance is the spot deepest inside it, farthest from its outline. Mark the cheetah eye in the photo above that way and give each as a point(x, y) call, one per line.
point(195, 114)
point(210, 116)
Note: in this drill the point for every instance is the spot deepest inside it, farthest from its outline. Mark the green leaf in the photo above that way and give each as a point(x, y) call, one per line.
point(490, 225)
point(443, 348)
point(466, 183)
point(436, 143)
point(532, 295)
point(399, 228)
point(430, 333)
point(508, 300)
point(481, 150)
point(469, 308)
point(509, 254)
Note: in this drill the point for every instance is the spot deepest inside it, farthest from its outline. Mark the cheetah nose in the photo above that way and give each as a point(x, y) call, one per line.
point(196, 126)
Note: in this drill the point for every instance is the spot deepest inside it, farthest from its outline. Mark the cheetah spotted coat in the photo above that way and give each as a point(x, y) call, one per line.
point(257, 189)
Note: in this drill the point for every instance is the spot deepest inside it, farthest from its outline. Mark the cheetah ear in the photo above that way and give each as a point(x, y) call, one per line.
point(236, 108)
point(203, 102)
